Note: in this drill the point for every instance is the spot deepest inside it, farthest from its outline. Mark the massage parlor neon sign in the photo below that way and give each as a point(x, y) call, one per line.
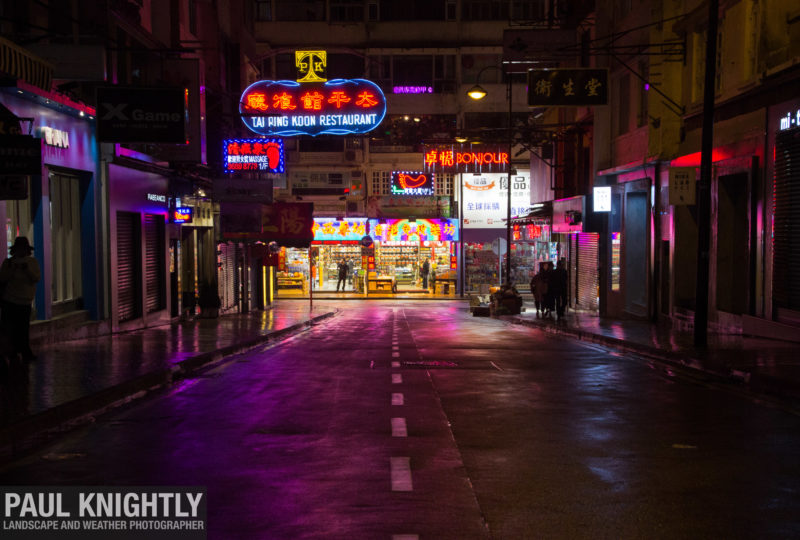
point(265, 155)
point(312, 105)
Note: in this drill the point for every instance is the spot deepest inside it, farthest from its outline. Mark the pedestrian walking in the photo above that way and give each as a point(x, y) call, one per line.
point(426, 268)
point(560, 281)
point(342, 268)
point(549, 298)
point(539, 289)
point(19, 274)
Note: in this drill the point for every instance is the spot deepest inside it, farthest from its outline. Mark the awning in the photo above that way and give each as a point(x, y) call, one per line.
point(21, 64)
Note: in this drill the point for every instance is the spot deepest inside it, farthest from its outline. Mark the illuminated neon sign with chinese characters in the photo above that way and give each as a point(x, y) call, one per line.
point(182, 214)
point(412, 183)
point(465, 159)
point(336, 107)
point(343, 230)
point(265, 155)
point(412, 90)
point(420, 230)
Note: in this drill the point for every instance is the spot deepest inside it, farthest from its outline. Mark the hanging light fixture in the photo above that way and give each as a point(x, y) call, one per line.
point(476, 92)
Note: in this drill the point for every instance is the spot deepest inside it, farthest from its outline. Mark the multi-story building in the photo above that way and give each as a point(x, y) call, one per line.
point(425, 56)
point(653, 127)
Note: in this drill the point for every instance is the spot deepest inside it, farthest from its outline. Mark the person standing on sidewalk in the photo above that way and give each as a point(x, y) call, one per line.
point(19, 274)
point(342, 268)
point(560, 282)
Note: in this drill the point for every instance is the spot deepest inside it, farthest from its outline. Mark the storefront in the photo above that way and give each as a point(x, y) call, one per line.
point(578, 247)
point(392, 264)
point(56, 203)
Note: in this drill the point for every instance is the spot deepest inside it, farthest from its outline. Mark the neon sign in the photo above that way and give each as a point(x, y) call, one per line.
point(791, 120)
point(182, 215)
point(456, 159)
point(412, 183)
point(265, 155)
point(336, 107)
point(311, 65)
point(412, 90)
point(421, 230)
point(334, 229)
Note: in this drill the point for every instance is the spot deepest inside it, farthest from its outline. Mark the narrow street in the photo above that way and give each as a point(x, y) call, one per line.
point(415, 420)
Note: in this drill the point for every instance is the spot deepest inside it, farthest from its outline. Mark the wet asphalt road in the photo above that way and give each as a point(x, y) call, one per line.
point(414, 418)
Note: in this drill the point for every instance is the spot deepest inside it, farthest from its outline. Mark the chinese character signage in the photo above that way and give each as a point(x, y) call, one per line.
point(567, 87)
point(20, 154)
point(265, 155)
point(288, 224)
point(420, 230)
point(288, 108)
point(412, 183)
point(182, 214)
point(486, 199)
point(682, 188)
point(602, 198)
point(334, 229)
point(465, 159)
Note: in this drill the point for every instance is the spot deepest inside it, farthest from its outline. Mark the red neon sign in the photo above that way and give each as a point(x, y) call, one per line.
point(466, 160)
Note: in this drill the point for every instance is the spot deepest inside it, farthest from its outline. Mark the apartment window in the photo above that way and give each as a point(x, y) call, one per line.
point(347, 10)
point(444, 185)
point(292, 10)
point(263, 10)
point(528, 10)
point(484, 10)
point(372, 11)
point(623, 104)
point(193, 17)
point(450, 10)
point(643, 115)
point(444, 74)
point(412, 10)
point(381, 181)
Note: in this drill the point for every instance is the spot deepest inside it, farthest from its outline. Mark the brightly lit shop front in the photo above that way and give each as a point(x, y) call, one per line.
point(401, 249)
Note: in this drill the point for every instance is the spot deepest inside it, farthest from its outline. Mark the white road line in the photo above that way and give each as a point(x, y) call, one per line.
point(395, 364)
point(401, 474)
point(395, 354)
point(405, 537)
point(397, 378)
point(398, 399)
point(399, 427)
point(498, 368)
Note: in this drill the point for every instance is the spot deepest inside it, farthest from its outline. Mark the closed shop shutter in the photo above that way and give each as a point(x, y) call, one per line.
point(227, 274)
point(127, 266)
point(587, 271)
point(573, 270)
point(786, 212)
point(154, 262)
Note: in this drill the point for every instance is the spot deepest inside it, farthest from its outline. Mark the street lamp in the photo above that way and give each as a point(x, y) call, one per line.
point(478, 93)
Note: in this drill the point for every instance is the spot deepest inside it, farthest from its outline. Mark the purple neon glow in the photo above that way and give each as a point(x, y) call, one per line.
point(412, 90)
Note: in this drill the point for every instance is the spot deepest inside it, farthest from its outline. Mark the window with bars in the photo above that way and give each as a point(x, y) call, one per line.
point(381, 182)
point(444, 185)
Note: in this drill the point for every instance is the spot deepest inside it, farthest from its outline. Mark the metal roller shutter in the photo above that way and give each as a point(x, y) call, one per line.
point(154, 262)
point(587, 271)
point(786, 213)
point(573, 270)
point(127, 266)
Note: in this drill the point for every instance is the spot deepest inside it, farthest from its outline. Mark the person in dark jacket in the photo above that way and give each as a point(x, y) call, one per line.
point(342, 275)
point(549, 297)
point(539, 289)
point(19, 274)
point(560, 284)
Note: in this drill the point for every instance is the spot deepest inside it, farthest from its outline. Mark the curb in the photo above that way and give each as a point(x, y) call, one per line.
point(756, 385)
point(24, 435)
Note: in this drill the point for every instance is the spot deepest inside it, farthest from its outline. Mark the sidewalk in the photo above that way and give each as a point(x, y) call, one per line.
point(764, 368)
point(73, 380)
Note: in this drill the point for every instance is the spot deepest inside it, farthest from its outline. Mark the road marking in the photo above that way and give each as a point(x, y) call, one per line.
point(398, 399)
point(395, 364)
point(397, 378)
point(405, 537)
point(395, 354)
point(498, 368)
point(399, 427)
point(401, 474)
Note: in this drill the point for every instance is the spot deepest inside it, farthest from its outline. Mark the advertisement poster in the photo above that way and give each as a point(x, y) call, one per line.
point(486, 199)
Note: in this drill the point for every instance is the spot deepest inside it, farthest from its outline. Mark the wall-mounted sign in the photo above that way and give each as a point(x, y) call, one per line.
point(412, 183)
point(336, 107)
point(602, 198)
point(344, 230)
point(567, 87)
point(265, 155)
point(288, 224)
point(311, 65)
point(182, 214)
point(133, 114)
point(54, 137)
point(420, 230)
point(20, 154)
point(682, 185)
point(13, 187)
point(791, 120)
point(486, 199)
point(412, 90)
point(465, 159)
